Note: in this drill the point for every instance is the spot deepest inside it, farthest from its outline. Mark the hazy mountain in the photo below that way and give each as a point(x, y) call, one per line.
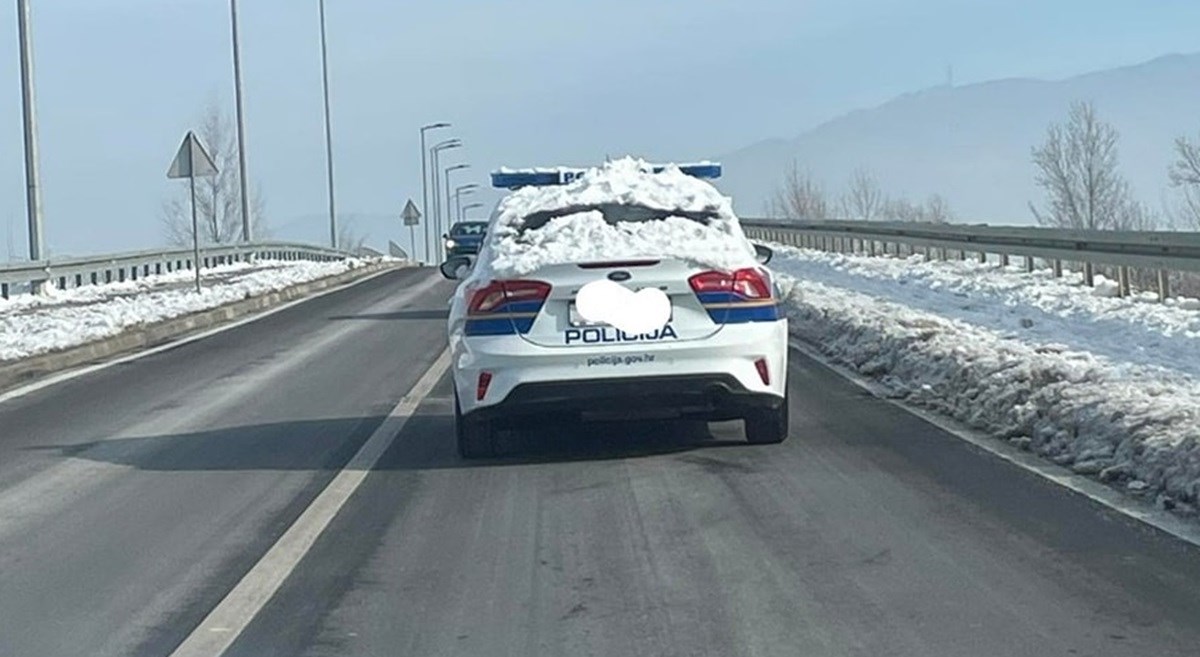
point(972, 143)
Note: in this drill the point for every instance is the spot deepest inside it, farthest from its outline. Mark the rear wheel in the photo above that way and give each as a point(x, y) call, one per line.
point(476, 437)
point(767, 426)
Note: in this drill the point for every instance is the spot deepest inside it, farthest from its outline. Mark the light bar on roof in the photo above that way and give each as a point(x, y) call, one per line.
point(515, 178)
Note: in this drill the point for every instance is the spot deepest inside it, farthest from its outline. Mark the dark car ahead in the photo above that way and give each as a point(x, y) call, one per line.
point(465, 237)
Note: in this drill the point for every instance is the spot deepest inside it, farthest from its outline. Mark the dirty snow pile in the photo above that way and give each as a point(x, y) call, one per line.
point(73, 317)
point(1105, 386)
point(512, 252)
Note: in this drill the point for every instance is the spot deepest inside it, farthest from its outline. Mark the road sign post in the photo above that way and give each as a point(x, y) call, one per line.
point(412, 216)
point(190, 162)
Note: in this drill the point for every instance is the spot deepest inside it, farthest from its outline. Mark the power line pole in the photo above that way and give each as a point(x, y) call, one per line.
point(33, 192)
point(241, 123)
point(328, 131)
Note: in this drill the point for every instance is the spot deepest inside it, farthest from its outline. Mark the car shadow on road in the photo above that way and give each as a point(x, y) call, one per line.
point(426, 443)
point(398, 315)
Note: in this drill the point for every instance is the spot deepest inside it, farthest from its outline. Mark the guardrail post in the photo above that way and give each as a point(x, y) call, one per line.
point(1004, 260)
point(871, 247)
point(3, 290)
point(1028, 264)
point(962, 255)
point(1057, 268)
point(1123, 281)
point(1088, 275)
point(982, 258)
point(1164, 285)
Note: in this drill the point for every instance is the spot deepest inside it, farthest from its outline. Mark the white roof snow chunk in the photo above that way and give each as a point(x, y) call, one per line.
point(1103, 386)
point(587, 237)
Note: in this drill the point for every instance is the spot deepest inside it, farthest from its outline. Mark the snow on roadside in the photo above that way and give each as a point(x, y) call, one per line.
point(103, 292)
point(1104, 386)
point(48, 325)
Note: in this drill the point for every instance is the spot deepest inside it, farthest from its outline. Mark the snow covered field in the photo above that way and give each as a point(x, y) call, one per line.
point(31, 325)
point(1102, 385)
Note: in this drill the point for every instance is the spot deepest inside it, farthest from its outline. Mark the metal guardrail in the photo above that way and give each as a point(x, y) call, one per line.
point(1162, 251)
point(119, 267)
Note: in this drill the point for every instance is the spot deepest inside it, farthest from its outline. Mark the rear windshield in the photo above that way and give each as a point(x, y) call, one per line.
point(469, 229)
point(615, 213)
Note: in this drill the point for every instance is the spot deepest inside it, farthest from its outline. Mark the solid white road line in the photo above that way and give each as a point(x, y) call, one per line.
point(1159, 519)
point(74, 373)
point(222, 626)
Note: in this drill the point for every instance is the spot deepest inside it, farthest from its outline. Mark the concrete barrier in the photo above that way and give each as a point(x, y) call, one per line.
point(29, 370)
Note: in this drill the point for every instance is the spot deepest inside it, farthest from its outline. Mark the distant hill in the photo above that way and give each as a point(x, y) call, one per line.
point(972, 143)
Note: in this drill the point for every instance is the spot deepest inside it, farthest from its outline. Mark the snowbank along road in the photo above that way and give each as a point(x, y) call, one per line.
point(135, 501)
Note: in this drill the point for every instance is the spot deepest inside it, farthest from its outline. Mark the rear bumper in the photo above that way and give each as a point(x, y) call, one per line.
point(635, 375)
point(702, 395)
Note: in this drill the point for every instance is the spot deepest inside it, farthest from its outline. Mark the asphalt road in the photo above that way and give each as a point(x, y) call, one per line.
point(134, 498)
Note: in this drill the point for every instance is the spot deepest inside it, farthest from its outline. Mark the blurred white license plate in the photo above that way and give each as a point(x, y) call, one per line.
point(576, 319)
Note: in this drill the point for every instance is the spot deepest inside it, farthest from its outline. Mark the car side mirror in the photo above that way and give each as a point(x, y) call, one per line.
point(456, 268)
point(445, 236)
point(762, 254)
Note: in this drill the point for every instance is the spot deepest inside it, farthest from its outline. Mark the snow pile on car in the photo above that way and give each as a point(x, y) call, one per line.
point(511, 252)
point(1103, 386)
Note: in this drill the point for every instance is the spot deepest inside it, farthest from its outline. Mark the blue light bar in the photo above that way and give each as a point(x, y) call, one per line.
point(516, 178)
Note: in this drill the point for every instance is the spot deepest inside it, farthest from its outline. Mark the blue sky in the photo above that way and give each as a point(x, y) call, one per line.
point(533, 82)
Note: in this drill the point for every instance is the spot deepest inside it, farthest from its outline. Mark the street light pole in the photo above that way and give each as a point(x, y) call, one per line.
point(328, 130)
point(456, 167)
point(243, 183)
point(434, 156)
point(458, 191)
point(425, 186)
point(33, 190)
point(463, 215)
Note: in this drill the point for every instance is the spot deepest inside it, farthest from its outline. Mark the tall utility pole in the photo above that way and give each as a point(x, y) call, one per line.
point(33, 188)
point(425, 186)
point(328, 131)
point(241, 123)
point(434, 153)
point(458, 192)
point(449, 219)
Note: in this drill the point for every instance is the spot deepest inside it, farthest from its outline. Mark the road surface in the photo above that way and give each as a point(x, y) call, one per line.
point(133, 499)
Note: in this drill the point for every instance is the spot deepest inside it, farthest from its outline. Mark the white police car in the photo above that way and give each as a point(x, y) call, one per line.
point(522, 349)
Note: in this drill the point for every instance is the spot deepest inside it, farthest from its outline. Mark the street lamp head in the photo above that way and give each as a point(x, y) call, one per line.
point(432, 126)
point(449, 143)
point(456, 167)
point(471, 205)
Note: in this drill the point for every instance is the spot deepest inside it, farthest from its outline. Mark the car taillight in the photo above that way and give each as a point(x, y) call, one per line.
point(749, 283)
point(498, 294)
point(763, 372)
point(481, 388)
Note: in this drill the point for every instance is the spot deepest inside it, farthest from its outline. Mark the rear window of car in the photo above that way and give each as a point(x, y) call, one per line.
point(469, 229)
point(616, 213)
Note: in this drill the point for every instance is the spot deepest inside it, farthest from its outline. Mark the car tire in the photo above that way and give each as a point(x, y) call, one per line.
point(768, 426)
point(476, 437)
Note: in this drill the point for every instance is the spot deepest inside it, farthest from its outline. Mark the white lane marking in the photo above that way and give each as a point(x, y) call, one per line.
point(75, 373)
point(234, 613)
point(1159, 519)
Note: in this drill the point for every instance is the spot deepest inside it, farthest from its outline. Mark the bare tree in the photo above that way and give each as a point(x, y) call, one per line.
point(802, 197)
point(1185, 175)
point(937, 210)
point(863, 198)
point(348, 237)
point(1077, 168)
point(218, 198)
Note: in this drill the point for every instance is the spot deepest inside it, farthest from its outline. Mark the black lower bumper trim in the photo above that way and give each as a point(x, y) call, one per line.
point(716, 396)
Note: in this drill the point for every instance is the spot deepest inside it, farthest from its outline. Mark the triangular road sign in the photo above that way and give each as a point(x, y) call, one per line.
point(192, 160)
point(410, 214)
